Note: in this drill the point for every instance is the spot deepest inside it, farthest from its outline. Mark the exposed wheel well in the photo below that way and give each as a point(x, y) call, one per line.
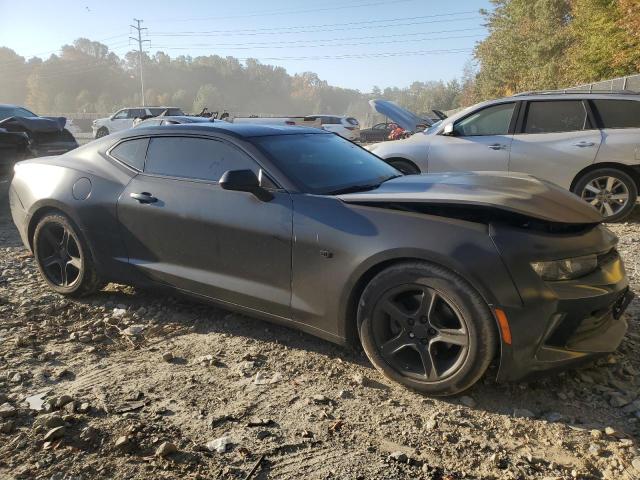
point(396, 159)
point(618, 166)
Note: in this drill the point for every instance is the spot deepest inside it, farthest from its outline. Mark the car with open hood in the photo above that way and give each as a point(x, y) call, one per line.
point(586, 142)
point(436, 276)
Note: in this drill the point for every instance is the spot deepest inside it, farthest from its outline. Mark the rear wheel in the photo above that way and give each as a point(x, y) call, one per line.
point(612, 191)
point(405, 166)
point(63, 257)
point(423, 326)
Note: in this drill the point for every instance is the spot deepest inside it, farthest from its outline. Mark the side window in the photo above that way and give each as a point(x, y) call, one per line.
point(199, 158)
point(120, 115)
point(556, 116)
point(618, 113)
point(136, 113)
point(493, 120)
point(132, 152)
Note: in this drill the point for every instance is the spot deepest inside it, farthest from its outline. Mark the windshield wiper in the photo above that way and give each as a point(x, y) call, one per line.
point(361, 188)
point(354, 188)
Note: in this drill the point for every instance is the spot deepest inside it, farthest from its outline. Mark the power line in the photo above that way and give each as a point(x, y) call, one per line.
point(321, 45)
point(284, 12)
point(355, 56)
point(321, 28)
point(140, 41)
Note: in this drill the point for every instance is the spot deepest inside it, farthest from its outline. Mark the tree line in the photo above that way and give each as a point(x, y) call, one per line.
point(531, 44)
point(551, 44)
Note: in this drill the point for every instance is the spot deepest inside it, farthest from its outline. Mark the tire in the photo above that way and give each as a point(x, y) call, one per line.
point(612, 191)
point(102, 132)
point(63, 257)
point(458, 314)
point(405, 166)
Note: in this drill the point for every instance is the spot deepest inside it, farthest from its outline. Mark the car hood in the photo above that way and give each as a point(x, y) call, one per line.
point(34, 124)
point(516, 193)
point(403, 117)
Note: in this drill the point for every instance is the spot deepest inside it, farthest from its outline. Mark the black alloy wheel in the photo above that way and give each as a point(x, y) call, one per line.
point(420, 333)
point(59, 255)
point(63, 258)
point(425, 327)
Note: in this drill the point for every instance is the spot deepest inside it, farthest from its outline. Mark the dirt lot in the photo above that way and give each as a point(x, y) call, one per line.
point(138, 385)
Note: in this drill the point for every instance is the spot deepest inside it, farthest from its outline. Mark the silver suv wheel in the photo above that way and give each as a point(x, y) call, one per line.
point(611, 190)
point(608, 194)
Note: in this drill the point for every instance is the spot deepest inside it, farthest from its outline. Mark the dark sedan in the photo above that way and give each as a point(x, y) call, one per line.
point(436, 275)
point(377, 133)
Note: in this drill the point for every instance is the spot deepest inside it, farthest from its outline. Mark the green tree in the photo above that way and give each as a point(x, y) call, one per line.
point(526, 48)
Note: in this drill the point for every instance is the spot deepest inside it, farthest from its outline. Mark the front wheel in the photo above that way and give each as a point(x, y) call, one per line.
point(612, 191)
point(102, 132)
point(405, 166)
point(63, 257)
point(423, 326)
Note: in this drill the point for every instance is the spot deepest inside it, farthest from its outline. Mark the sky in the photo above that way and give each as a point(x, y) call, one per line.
point(350, 43)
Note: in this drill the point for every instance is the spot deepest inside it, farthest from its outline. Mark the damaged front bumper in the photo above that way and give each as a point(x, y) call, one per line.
point(562, 323)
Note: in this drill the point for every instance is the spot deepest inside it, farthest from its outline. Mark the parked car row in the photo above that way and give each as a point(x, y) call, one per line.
point(588, 143)
point(126, 118)
point(436, 276)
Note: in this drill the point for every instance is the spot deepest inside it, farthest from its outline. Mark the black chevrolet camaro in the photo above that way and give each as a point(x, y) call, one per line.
point(436, 275)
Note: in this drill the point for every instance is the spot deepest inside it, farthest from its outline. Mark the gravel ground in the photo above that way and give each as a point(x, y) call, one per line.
point(132, 384)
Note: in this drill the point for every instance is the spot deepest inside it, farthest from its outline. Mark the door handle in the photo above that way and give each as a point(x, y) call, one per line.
point(584, 144)
point(497, 146)
point(144, 197)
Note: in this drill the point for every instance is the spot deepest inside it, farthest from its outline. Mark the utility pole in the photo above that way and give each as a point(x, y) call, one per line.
point(140, 42)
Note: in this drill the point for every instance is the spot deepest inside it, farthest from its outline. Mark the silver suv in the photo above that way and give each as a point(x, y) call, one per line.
point(586, 142)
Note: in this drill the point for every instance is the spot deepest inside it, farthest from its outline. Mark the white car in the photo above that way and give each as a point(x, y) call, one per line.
point(586, 142)
point(123, 119)
point(347, 127)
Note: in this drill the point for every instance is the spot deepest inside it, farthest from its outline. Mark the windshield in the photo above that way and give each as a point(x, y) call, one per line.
point(433, 127)
point(325, 164)
point(6, 112)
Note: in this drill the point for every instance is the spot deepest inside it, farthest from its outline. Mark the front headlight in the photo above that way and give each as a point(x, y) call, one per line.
point(566, 269)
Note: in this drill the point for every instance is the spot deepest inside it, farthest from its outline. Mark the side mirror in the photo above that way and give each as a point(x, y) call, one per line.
point(448, 130)
point(244, 181)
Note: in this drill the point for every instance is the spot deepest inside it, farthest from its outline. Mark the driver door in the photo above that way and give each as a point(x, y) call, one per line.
point(120, 121)
point(181, 228)
point(480, 141)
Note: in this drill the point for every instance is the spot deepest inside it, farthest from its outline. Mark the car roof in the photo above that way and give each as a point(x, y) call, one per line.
point(240, 130)
point(183, 118)
point(573, 95)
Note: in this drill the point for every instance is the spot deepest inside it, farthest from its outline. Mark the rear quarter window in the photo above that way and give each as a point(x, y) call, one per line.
point(556, 116)
point(131, 152)
point(618, 113)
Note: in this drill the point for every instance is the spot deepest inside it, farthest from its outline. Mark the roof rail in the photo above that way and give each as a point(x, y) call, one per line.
point(574, 91)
